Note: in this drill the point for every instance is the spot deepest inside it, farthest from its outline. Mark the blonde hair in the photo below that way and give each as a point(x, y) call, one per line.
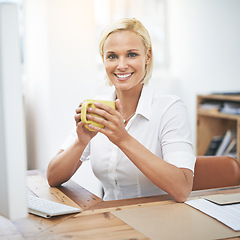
point(129, 24)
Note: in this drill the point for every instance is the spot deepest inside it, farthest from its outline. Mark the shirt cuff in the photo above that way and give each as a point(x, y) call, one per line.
point(181, 159)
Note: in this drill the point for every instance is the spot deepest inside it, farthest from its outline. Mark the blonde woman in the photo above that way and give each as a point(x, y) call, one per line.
point(145, 146)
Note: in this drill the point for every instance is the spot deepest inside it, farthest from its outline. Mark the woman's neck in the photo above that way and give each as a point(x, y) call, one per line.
point(129, 100)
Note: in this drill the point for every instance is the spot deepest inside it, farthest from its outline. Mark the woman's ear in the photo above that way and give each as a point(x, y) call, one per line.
point(148, 56)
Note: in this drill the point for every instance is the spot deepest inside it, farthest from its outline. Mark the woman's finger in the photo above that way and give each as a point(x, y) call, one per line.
point(119, 106)
point(77, 118)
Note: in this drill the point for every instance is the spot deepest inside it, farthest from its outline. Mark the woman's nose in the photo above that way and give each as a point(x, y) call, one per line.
point(122, 64)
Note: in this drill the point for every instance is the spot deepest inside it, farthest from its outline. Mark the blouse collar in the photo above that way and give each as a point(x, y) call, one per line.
point(144, 103)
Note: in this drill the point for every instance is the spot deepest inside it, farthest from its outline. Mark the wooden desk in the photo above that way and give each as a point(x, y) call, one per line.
point(95, 222)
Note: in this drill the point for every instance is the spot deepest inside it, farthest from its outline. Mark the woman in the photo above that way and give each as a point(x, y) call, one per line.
point(145, 146)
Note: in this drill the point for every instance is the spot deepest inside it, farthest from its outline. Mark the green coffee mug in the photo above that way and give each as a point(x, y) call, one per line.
point(90, 103)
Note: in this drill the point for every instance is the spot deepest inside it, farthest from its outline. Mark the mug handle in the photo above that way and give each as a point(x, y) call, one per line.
point(84, 111)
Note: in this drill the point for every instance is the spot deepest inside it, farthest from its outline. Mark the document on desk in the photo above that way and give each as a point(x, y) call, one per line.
point(227, 214)
point(174, 221)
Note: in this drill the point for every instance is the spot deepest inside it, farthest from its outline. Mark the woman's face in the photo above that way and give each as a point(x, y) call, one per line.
point(125, 59)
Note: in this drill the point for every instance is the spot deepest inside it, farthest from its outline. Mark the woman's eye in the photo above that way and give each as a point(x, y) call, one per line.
point(112, 56)
point(132, 54)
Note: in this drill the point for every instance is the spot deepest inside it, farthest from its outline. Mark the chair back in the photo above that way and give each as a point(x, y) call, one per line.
point(216, 172)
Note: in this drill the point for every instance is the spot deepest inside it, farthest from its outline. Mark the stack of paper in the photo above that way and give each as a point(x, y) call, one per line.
point(227, 214)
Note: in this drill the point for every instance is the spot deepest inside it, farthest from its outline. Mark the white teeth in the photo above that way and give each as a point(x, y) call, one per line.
point(123, 75)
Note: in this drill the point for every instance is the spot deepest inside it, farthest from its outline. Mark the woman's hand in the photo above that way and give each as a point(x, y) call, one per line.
point(84, 135)
point(112, 121)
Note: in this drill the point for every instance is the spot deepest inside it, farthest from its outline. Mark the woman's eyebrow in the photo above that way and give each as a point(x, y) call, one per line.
point(109, 52)
point(130, 50)
point(133, 50)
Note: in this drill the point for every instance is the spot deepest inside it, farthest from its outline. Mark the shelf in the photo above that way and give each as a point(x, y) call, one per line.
point(234, 98)
point(217, 114)
point(211, 122)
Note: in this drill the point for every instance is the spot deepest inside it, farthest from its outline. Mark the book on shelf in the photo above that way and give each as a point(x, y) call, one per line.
point(211, 105)
point(227, 107)
point(226, 141)
point(231, 108)
point(232, 147)
point(213, 146)
point(223, 145)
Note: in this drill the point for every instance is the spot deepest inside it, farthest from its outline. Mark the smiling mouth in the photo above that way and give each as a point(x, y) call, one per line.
point(123, 76)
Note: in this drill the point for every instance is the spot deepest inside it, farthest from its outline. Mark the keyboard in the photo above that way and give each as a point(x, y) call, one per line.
point(46, 208)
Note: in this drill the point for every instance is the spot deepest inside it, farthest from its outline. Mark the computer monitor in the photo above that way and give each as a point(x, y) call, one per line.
point(12, 124)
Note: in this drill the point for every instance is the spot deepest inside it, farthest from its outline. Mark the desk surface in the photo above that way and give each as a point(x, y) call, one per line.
point(95, 222)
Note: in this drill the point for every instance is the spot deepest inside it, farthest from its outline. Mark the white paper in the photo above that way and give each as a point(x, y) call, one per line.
point(227, 214)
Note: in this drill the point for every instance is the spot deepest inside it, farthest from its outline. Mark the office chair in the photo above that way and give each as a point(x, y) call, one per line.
point(216, 172)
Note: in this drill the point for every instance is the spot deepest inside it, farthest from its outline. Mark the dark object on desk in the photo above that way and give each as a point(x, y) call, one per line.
point(215, 172)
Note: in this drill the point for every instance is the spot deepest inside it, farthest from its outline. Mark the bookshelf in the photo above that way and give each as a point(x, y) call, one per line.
point(212, 122)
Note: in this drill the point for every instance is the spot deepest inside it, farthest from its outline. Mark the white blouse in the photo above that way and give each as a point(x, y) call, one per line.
point(160, 124)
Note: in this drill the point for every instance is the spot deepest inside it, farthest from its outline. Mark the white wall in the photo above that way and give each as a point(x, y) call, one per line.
point(60, 57)
point(204, 47)
point(60, 52)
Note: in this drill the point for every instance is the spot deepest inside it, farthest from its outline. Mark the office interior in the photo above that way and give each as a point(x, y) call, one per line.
point(199, 54)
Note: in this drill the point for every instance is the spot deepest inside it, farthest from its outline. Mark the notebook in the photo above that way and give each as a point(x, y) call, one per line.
point(224, 199)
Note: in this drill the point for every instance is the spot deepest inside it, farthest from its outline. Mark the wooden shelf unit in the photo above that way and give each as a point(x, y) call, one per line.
point(212, 123)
